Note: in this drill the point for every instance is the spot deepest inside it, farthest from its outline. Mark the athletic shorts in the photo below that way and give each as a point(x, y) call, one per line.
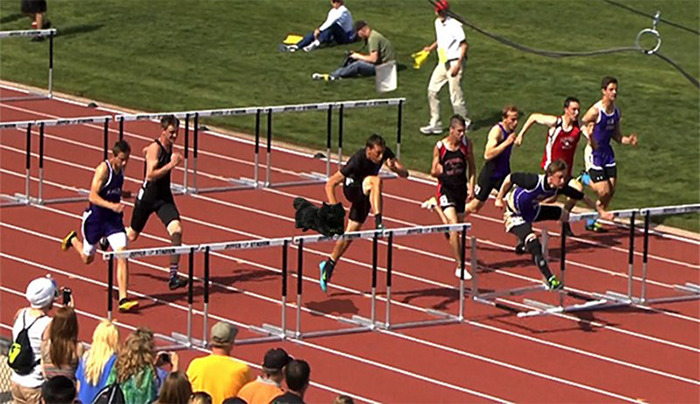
point(94, 229)
point(516, 224)
point(33, 6)
point(165, 209)
point(485, 183)
point(359, 202)
point(450, 198)
point(600, 175)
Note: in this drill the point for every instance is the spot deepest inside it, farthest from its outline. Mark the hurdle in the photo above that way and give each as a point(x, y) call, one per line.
point(613, 299)
point(255, 181)
point(26, 198)
point(361, 324)
point(50, 33)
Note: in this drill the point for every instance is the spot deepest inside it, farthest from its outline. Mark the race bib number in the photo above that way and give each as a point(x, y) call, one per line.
point(443, 200)
point(140, 195)
point(349, 181)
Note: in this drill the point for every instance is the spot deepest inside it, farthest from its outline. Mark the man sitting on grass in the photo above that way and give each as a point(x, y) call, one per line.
point(380, 51)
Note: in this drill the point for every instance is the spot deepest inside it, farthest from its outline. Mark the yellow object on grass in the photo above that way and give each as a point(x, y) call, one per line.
point(292, 39)
point(419, 58)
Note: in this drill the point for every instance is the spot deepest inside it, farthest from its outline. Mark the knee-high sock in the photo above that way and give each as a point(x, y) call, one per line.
point(535, 249)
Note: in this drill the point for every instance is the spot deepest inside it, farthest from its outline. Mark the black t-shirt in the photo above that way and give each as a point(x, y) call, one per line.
point(359, 166)
point(288, 398)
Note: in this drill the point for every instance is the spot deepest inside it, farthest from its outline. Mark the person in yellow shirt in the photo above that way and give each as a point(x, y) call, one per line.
point(267, 386)
point(219, 374)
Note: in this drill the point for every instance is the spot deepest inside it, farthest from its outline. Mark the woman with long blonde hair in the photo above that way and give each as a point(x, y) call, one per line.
point(61, 351)
point(96, 364)
point(135, 369)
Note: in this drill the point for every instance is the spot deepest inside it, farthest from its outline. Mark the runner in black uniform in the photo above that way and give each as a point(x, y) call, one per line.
point(362, 187)
point(155, 195)
point(497, 156)
point(453, 165)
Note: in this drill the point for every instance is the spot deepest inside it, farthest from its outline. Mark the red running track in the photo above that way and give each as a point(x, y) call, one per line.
point(613, 355)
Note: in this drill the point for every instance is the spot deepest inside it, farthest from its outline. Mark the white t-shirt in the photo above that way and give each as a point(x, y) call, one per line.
point(342, 16)
point(449, 36)
point(35, 378)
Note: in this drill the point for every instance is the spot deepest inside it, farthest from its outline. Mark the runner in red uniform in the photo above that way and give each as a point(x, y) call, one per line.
point(563, 136)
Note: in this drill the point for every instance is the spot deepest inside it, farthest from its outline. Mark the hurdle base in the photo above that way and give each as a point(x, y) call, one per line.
point(511, 292)
point(692, 290)
point(182, 342)
point(443, 318)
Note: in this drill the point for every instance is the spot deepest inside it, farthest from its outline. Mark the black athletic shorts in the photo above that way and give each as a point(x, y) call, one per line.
point(603, 174)
point(521, 228)
point(359, 202)
point(485, 183)
point(33, 6)
point(164, 208)
point(451, 198)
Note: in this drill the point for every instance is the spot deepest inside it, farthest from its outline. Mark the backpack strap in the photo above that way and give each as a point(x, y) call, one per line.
point(30, 325)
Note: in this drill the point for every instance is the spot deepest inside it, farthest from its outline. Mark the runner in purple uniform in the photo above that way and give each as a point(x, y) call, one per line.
point(104, 218)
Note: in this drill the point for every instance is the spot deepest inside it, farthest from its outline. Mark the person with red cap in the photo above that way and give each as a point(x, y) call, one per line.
point(451, 44)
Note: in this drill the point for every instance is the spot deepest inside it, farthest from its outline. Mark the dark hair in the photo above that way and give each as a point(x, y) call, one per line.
point(374, 140)
point(556, 166)
point(169, 120)
point(606, 81)
point(569, 100)
point(343, 399)
point(176, 388)
point(200, 397)
point(297, 374)
point(360, 24)
point(121, 146)
point(508, 109)
point(58, 390)
point(457, 118)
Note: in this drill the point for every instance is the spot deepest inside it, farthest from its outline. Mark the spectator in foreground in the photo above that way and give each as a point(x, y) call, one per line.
point(58, 390)
point(96, 364)
point(61, 351)
point(267, 387)
point(135, 369)
point(297, 374)
point(219, 374)
point(200, 397)
point(176, 389)
point(26, 383)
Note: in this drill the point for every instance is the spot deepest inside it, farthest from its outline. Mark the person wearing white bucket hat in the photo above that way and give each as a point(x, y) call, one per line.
point(40, 293)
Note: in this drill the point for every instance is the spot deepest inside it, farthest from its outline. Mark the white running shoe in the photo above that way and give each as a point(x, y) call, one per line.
point(467, 275)
point(431, 130)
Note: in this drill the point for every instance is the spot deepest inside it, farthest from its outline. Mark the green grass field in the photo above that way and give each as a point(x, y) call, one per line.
point(160, 55)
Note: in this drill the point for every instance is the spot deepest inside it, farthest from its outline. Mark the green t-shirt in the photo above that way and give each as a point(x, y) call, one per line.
point(377, 42)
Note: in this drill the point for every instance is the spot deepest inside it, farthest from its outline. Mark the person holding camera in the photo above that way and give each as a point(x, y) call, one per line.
point(60, 349)
point(28, 329)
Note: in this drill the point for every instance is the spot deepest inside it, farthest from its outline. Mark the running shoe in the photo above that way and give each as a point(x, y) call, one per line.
point(104, 244)
point(127, 305)
point(66, 243)
point(326, 268)
point(595, 227)
point(554, 284)
point(430, 204)
point(177, 282)
point(467, 275)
